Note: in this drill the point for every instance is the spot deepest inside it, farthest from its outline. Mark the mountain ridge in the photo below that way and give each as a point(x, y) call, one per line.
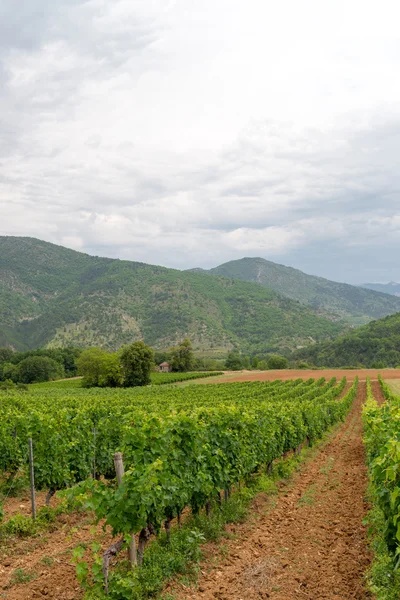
point(342, 301)
point(53, 296)
point(392, 288)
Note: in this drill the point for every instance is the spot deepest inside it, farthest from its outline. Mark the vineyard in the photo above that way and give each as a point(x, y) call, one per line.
point(382, 439)
point(182, 447)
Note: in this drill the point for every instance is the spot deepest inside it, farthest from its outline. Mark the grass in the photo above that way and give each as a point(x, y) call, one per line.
point(21, 576)
point(394, 385)
point(23, 526)
point(156, 379)
point(48, 561)
point(308, 497)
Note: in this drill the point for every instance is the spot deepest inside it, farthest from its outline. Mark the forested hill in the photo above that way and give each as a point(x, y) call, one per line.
point(330, 298)
point(53, 296)
point(374, 345)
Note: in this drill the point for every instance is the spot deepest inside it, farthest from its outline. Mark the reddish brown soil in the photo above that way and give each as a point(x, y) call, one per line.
point(309, 543)
point(350, 374)
point(377, 392)
point(22, 503)
point(48, 560)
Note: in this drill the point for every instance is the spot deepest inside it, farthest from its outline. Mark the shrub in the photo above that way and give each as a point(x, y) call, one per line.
point(277, 362)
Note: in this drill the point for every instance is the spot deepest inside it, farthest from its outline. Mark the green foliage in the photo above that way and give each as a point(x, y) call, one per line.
point(355, 305)
point(165, 378)
point(9, 372)
point(54, 297)
point(277, 362)
point(6, 355)
point(233, 362)
point(376, 345)
point(100, 368)
point(181, 446)
point(23, 526)
point(137, 361)
point(21, 576)
point(181, 357)
point(381, 436)
point(35, 369)
point(10, 361)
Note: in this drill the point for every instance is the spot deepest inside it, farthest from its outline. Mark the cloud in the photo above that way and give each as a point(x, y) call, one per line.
point(188, 135)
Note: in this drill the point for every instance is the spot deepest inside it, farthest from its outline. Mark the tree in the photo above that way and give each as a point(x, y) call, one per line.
point(8, 371)
point(137, 361)
point(100, 368)
point(35, 369)
point(111, 375)
point(254, 362)
point(181, 357)
point(277, 362)
point(6, 355)
point(91, 366)
point(160, 357)
point(233, 362)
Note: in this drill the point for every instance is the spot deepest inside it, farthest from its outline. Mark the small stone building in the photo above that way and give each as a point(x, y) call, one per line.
point(164, 367)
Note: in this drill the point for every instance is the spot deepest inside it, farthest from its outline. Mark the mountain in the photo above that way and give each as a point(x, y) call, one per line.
point(392, 287)
point(340, 301)
point(52, 296)
point(374, 345)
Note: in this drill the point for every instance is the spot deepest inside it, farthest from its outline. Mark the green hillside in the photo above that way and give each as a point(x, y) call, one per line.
point(374, 345)
point(51, 296)
point(340, 301)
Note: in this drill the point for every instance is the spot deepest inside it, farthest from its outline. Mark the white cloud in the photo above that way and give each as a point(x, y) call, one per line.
point(191, 133)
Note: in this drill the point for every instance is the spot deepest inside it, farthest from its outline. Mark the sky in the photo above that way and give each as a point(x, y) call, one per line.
point(189, 133)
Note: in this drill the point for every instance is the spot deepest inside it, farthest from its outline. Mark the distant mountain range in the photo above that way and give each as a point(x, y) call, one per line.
point(392, 287)
point(340, 301)
point(53, 296)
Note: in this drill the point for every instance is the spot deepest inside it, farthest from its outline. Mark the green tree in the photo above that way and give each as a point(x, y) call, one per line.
point(91, 366)
point(137, 362)
point(254, 362)
point(160, 357)
point(181, 357)
point(111, 375)
point(233, 362)
point(35, 369)
point(6, 355)
point(100, 368)
point(8, 371)
point(277, 362)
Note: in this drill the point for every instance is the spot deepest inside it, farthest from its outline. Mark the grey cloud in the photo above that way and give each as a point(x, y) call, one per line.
point(69, 171)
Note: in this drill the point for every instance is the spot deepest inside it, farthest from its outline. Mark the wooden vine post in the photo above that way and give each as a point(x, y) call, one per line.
point(32, 478)
point(119, 469)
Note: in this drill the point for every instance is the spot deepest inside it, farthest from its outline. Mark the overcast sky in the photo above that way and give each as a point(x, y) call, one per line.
point(192, 132)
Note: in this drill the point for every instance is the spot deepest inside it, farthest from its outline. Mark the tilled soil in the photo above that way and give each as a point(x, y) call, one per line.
point(41, 567)
point(311, 544)
point(350, 374)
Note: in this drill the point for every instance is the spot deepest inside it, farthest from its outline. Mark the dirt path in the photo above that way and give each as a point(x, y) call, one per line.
point(311, 544)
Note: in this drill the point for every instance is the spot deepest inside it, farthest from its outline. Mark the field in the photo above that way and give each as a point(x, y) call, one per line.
point(189, 450)
point(285, 375)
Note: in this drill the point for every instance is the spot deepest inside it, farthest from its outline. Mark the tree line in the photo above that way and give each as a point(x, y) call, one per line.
point(129, 366)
